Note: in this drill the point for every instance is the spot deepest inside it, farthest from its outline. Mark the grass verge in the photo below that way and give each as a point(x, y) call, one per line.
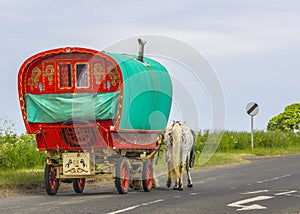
point(21, 179)
point(221, 159)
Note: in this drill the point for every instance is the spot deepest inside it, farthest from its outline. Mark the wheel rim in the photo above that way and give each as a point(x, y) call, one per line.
point(53, 180)
point(149, 177)
point(81, 182)
point(124, 176)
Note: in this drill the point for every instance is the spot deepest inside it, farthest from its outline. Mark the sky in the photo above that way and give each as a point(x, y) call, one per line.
point(253, 46)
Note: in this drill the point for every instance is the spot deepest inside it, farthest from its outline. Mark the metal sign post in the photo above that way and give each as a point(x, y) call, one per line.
point(252, 109)
point(252, 135)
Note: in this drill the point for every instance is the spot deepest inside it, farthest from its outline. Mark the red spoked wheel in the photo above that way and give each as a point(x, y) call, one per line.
point(122, 176)
point(147, 176)
point(50, 180)
point(78, 185)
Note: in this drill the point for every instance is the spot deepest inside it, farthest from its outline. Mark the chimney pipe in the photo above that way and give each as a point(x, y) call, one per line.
point(141, 49)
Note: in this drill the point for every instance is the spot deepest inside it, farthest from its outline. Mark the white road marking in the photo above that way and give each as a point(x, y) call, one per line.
point(195, 193)
point(273, 179)
point(286, 193)
point(252, 207)
point(254, 192)
point(242, 207)
point(136, 206)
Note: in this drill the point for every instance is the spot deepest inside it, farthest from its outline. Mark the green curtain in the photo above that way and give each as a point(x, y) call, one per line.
point(51, 108)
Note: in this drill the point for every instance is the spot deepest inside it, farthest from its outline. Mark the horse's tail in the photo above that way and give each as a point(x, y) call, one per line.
point(177, 151)
point(192, 157)
point(176, 133)
point(192, 152)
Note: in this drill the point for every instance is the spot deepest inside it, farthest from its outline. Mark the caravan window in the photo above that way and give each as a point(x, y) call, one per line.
point(81, 75)
point(65, 76)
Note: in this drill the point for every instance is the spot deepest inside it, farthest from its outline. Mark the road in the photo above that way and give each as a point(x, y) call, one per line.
point(261, 186)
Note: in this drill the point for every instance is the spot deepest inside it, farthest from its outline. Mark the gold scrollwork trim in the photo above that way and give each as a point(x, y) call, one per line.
point(114, 75)
point(33, 82)
point(98, 72)
point(50, 73)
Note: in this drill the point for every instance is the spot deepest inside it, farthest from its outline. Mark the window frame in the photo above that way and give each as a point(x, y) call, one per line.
point(86, 66)
point(70, 79)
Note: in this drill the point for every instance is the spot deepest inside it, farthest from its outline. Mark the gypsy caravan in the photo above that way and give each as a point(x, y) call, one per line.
point(95, 113)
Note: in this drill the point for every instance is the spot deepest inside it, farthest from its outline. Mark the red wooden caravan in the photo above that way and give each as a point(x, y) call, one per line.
point(95, 113)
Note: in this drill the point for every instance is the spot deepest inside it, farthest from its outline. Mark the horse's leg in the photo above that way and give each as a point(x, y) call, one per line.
point(190, 183)
point(180, 184)
point(176, 164)
point(188, 160)
point(176, 184)
point(175, 174)
point(169, 181)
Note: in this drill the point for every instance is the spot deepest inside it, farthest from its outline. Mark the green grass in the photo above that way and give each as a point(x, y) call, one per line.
point(270, 151)
point(21, 179)
point(221, 159)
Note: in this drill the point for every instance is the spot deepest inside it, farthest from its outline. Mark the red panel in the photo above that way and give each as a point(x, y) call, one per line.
point(40, 74)
point(72, 137)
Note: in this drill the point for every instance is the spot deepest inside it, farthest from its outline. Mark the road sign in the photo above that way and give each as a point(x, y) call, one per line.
point(252, 108)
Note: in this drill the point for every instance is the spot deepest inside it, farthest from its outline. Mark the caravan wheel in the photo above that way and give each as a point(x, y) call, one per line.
point(78, 185)
point(122, 176)
point(50, 180)
point(147, 176)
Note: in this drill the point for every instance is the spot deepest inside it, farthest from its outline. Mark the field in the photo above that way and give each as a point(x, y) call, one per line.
point(21, 165)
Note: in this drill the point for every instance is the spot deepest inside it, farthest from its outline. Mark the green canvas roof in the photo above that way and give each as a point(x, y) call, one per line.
point(147, 93)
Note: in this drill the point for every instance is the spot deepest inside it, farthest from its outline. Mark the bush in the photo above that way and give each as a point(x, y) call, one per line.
point(233, 141)
point(18, 152)
point(21, 153)
point(200, 139)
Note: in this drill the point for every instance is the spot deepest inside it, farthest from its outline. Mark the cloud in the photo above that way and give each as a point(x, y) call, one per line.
point(214, 27)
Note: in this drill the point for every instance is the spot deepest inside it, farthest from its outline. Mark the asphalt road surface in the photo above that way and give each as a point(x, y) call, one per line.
point(261, 186)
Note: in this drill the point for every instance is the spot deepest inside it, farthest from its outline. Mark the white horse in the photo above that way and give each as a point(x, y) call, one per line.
point(179, 143)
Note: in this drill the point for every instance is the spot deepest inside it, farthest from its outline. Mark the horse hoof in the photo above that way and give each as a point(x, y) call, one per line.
point(155, 183)
point(190, 185)
point(180, 189)
point(175, 188)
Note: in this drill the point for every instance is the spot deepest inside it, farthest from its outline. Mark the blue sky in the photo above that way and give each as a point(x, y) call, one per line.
point(252, 45)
